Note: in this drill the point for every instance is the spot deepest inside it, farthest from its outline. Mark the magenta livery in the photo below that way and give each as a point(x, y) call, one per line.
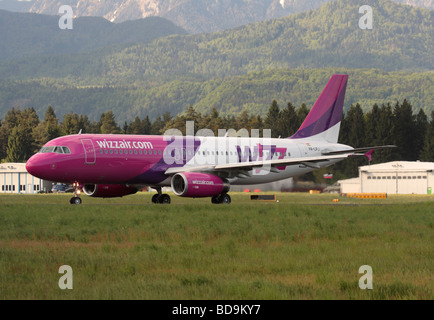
point(106, 165)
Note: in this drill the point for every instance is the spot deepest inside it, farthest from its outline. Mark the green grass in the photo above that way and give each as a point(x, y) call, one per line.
point(304, 247)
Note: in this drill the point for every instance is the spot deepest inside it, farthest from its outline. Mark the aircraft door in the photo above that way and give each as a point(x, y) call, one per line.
point(89, 151)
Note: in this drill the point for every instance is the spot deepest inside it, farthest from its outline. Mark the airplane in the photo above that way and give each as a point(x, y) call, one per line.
point(116, 165)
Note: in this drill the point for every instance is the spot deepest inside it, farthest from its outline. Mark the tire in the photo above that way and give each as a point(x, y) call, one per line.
point(164, 199)
point(215, 199)
point(225, 198)
point(75, 200)
point(155, 198)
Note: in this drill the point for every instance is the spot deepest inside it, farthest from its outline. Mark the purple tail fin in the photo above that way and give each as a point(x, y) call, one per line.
point(323, 120)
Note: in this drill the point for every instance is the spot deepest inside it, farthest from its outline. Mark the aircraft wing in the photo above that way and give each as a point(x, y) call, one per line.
point(357, 150)
point(246, 166)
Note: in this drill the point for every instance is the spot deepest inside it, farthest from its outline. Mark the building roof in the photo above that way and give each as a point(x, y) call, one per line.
point(394, 166)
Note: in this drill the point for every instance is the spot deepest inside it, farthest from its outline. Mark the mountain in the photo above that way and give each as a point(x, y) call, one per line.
point(242, 68)
point(195, 16)
point(30, 34)
point(401, 39)
point(16, 5)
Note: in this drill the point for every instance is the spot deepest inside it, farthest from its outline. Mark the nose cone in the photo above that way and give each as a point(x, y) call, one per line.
point(33, 167)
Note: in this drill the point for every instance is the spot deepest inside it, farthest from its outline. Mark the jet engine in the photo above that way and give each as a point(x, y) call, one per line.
point(198, 185)
point(108, 190)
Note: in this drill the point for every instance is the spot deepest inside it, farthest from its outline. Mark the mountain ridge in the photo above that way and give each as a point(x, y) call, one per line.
point(195, 16)
point(401, 39)
point(31, 34)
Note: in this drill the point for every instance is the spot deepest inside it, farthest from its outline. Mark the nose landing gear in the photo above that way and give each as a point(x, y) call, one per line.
point(76, 198)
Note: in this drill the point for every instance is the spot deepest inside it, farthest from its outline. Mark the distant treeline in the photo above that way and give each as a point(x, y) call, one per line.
point(230, 96)
point(22, 133)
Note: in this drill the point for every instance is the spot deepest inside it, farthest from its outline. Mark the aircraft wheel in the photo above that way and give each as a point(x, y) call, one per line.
point(75, 200)
point(164, 199)
point(155, 198)
point(215, 199)
point(225, 198)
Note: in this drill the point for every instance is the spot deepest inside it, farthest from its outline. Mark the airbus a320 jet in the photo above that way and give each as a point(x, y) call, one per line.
point(112, 165)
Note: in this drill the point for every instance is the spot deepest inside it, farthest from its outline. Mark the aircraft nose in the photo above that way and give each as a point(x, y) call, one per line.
point(32, 166)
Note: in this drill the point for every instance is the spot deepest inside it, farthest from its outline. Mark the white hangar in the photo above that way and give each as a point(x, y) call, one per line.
point(14, 178)
point(396, 177)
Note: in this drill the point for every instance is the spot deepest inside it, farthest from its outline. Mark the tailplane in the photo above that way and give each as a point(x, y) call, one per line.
point(324, 119)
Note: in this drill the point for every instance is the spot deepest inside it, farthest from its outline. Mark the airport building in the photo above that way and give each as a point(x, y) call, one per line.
point(14, 178)
point(396, 177)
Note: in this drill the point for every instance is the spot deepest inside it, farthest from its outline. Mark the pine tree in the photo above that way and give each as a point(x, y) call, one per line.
point(404, 128)
point(48, 129)
point(272, 119)
point(353, 134)
point(135, 127)
point(288, 122)
point(3, 141)
point(243, 120)
point(372, 118)
point(146, 125)
point(19, 145)
point(420, 132)
point(158, 126)
point(427, 153)
point(108, 123)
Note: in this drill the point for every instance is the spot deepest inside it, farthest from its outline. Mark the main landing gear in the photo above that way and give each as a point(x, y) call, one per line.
point(221, 198)
point(76, 198)
point(160, 197)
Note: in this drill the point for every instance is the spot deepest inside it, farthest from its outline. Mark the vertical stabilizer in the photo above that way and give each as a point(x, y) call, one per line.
point(324, 119)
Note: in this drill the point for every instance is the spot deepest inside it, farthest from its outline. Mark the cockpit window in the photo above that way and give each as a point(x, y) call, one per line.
point(66, 150)
point(58, 150)
point(55, 149)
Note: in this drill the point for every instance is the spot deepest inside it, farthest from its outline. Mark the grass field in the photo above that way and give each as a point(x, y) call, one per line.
point(304, 247)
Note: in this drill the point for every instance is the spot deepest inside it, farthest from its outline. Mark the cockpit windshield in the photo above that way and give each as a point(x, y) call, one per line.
point(55, 149)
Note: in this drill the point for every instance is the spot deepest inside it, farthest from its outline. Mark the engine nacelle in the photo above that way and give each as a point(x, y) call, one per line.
point(108, 190)
point(198, 185)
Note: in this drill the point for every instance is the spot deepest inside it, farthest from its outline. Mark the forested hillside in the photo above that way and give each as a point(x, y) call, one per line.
point(252, 92)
